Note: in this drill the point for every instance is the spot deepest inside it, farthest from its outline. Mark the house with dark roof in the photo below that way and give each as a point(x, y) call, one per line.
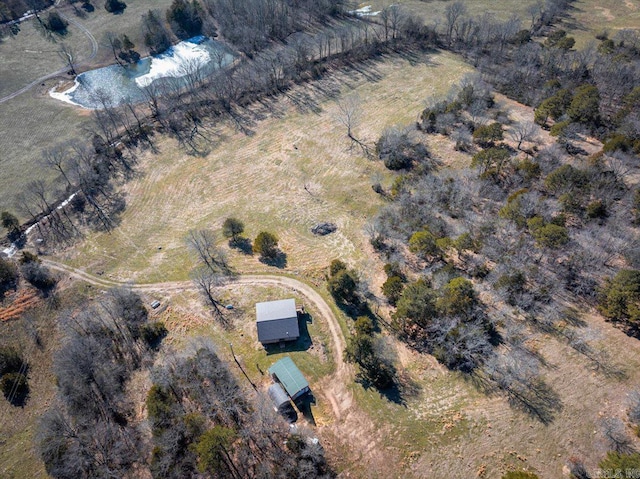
point(277, 321)
point(289, 376)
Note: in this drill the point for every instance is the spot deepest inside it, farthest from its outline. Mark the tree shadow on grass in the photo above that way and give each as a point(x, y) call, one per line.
point(243, 245)
point(279, 260)
point(16, 390)
point(535, 397)
point(402, 389)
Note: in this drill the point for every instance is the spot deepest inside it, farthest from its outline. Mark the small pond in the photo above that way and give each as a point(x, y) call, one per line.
point(120, 84)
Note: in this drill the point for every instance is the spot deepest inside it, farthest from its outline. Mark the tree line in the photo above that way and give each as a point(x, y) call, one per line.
point(205, 423)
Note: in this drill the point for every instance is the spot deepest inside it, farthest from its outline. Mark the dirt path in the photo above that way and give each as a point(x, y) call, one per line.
point(312, 296)
point(352, 427)
point(94, 52)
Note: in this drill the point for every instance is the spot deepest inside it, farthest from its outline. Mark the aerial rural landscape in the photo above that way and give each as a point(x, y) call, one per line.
point(320, 239)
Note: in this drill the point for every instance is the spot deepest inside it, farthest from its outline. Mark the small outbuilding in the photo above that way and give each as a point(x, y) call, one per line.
point(279, 397)
point(282, 403)
point(289, 376)
point(277, 321)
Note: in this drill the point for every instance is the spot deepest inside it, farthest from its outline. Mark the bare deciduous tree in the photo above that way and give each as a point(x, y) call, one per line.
point(524, 131)
point(203, 243)
point(65, 52)
point(349, 115)
point(206, 281)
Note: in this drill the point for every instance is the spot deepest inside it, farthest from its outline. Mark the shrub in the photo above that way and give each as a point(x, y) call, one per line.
point(559, 39)
point(393, 269)
point(530, 170)
point(416, 306)
point(159, 408)
point(466, 242)
point(597, 209)
point(617, 142)
point(10, 360)
point(38, 275)
point(211, 448)
point(423, 243)
point(585, 105)
point(620, 297)
point(8, 275)
point(56, 23)
point(559, 129)
point(392, 289)
point(363, 326)
point(266, 245)
point(361, 350)
point(11, 224)
point(571, 203)
point(549, 235)
point(28, 257)
point(490, 161)
point(185, 18)
point(336, 266)
point(114, 6)
point(343, 286)
point(553, 107)
point(232, 228)
point(513, 211)
point(487, 135)
point(616, 461)
point(566, 178)
point(398, 152)
point(458, 298)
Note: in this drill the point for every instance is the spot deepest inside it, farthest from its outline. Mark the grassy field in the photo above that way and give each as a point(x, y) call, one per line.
point(432, 11)
point(33, 120)
point(187, 318)
point(590, 17)
point(30, 123)
point(31, 54)
point(295, 170)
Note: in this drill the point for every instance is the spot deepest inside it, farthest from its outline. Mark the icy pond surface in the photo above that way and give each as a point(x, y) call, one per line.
point(119, 84)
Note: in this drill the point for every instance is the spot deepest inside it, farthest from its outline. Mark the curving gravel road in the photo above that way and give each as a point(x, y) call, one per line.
point(307, 291)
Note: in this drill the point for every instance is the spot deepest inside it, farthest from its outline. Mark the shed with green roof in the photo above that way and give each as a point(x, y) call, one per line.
point(287, 373)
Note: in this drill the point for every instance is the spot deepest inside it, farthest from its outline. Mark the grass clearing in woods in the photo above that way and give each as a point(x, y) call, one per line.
point(295, 170)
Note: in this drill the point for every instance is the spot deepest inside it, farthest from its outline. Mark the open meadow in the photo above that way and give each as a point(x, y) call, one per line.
point(292, 167)
point(589, 18)
point(33, 120)
point(296, 169)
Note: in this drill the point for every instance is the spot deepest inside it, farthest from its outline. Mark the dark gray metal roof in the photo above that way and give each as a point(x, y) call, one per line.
point(277, 321)
point(281, 309)
point(278, 395)
point(278, 330)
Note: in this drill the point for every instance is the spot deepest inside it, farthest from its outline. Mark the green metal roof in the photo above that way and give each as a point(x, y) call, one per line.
point(290, 377)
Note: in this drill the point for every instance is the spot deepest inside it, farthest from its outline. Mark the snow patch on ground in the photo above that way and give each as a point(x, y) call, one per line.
point(65, 96)
point(364, 12)
point(13, 249)
point(177, 61)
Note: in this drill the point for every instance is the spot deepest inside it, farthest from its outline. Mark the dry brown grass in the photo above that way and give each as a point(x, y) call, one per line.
point(261, 179)
point(590, 17)
point(34, 121)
